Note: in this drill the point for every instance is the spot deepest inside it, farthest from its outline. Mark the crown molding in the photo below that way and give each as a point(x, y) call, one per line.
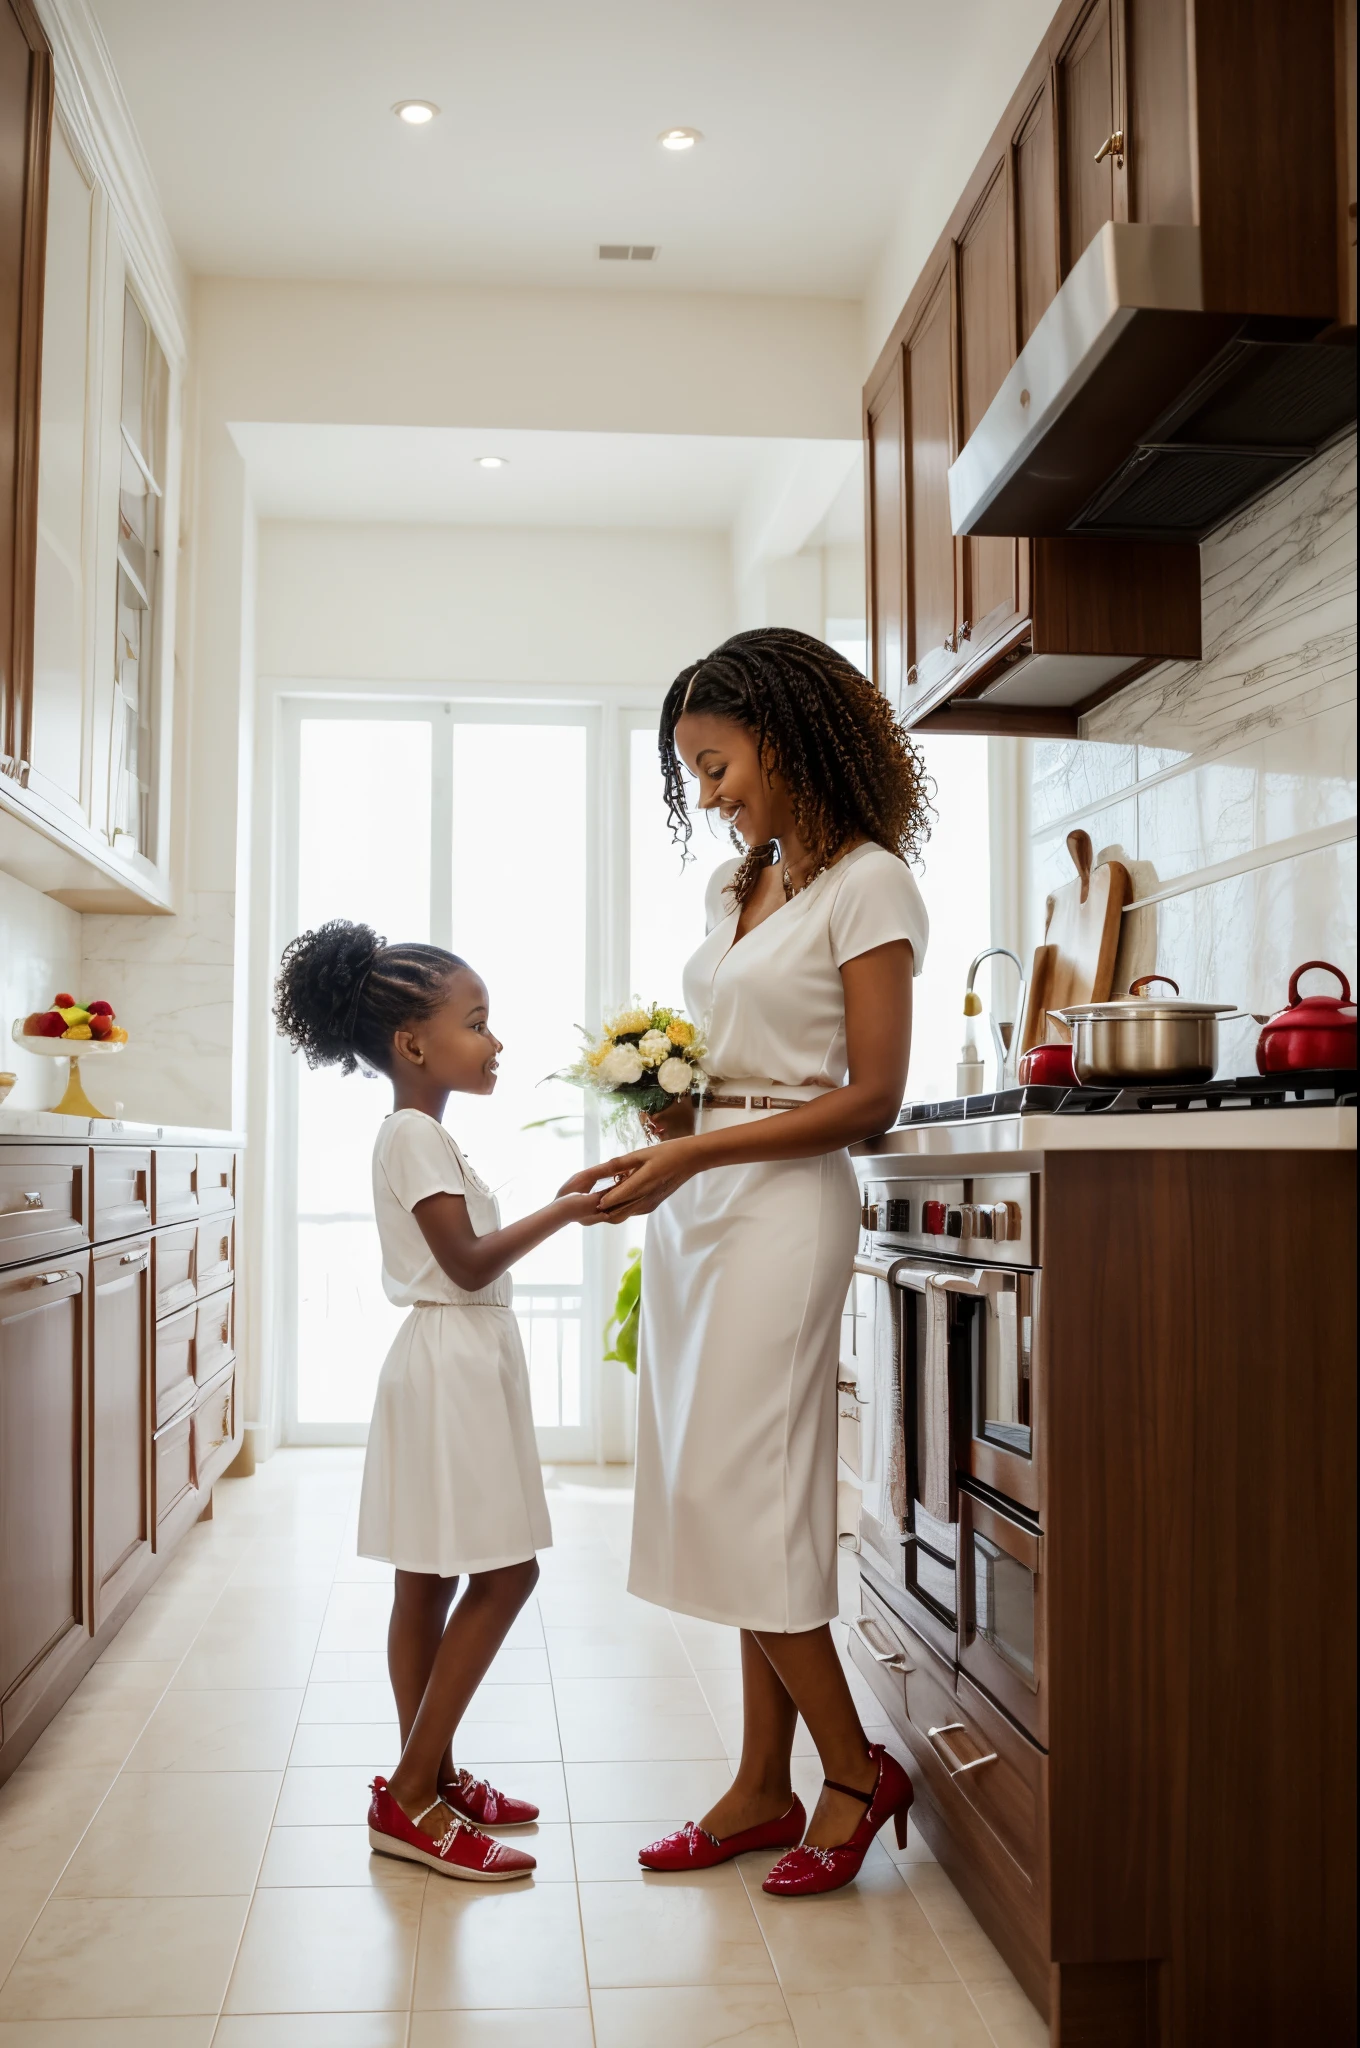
point(92, 103)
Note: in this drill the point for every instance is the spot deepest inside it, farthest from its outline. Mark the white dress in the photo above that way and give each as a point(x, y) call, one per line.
point(745, 1272)
point(451, 1479)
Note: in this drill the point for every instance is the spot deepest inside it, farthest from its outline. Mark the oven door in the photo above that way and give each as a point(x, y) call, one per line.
point(934, 1377)
point(1001, 1446)
point(1003, 1624)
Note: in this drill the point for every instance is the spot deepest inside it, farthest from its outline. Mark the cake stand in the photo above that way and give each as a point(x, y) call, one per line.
point(75, 1102)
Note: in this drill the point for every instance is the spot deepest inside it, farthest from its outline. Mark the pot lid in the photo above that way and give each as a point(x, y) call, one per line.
point(1136, 1005)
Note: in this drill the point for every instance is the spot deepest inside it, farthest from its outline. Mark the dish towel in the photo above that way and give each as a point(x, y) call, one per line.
point(884, 1438)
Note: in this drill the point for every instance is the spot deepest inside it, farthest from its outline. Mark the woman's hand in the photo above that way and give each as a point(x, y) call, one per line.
point(640, 1181)
point(676, 1120)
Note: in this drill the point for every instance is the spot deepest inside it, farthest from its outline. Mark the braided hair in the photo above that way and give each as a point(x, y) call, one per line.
point(851, 771)
point(342, 991)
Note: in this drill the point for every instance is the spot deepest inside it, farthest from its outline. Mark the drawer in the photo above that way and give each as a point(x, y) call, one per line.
point(879, 1650)
point(215, 1255)
point(174, 1349)
point(42, 1201)
point(174, 1268)
point(172, 1465)
point(189, 1184)
point(121, 1180)
point(1002, 1775)
point(214, 1345)
point(214, 1426)
point(173, 1190)
point(1003, 1611)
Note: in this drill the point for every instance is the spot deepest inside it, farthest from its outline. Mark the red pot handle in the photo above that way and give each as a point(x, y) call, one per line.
point(1327, 968)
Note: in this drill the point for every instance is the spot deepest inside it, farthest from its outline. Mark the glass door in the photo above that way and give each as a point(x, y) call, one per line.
point(474, 829)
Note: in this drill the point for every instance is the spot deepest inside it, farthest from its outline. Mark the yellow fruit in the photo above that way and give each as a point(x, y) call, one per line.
point(75, 1015)
point(78, 1031)
point(118, 1036)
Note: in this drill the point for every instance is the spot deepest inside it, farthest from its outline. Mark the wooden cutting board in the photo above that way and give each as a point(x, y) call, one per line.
point(1075, 964)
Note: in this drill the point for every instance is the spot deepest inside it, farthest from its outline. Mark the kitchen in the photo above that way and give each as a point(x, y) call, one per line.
point(1164, 663)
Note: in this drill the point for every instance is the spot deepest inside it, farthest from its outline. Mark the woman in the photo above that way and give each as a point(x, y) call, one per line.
point(804, 981)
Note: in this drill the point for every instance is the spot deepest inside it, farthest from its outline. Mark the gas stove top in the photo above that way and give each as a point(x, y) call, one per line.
point(1320, 1088)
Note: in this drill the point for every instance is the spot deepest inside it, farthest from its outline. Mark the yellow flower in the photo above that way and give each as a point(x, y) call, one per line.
point(680, 1031)
point(596, 1054)
point(628, 1020)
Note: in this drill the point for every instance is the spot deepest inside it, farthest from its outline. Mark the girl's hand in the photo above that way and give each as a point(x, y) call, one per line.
point(582, 1208)
point(641, 1180)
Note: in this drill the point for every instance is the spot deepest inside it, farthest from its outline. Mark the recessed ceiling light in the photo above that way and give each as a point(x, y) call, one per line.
point(679, 138)
point(415, 113)
point(491, 461)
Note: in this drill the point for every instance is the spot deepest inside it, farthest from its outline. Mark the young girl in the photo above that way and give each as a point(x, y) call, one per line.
point(452, 1486)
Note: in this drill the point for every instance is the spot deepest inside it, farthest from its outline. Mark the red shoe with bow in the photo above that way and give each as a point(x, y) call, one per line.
point(808, 1869)
point(458, 1850)
point(693, 1848)
point(473, 1799)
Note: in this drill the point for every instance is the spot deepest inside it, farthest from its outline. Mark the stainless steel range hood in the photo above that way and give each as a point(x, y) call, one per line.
point(1131, 410)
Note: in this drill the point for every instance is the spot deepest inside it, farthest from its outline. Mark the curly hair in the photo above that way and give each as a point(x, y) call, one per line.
point(851, 771)
point(342, 991)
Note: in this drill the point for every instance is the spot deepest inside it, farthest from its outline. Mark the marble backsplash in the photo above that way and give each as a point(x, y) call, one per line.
point(1230, 783)
point(39, 958)
point(170, 981)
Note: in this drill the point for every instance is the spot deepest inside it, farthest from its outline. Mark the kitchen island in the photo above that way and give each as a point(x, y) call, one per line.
point(118, 1406)
point(1110, 1610)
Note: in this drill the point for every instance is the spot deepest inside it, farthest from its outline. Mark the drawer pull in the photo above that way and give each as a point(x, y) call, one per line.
point(952, 1764)
point(134, 1258)
point(50, 1279)
point(33, 1200)
point(892, 1659)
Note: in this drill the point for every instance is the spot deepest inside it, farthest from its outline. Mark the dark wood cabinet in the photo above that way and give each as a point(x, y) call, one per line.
point(116, 1418)
point(120, 1373)
point(43, 1606)
point(1145, 111)
point(25, 139)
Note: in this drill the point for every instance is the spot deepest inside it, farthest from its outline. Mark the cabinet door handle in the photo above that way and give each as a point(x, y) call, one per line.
point(951, 1762)
point(33, 1200)
point(134, 1258)
point(892, 1660)
point(50, 1279)
point(1113, 145)
point(965, 632)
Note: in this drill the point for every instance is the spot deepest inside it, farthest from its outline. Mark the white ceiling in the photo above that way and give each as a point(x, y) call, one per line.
point(785, 492)
point(268, 126)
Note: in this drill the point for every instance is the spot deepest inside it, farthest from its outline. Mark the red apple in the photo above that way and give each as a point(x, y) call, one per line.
point(64, 1002)
point(101, 1009)
point(51, 1024)
point(100, 1027)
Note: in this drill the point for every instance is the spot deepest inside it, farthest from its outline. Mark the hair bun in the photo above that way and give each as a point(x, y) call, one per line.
point(316, 994)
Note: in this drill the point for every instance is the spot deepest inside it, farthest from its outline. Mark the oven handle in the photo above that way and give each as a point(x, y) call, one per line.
point(893, 1659)
point(951, 1762)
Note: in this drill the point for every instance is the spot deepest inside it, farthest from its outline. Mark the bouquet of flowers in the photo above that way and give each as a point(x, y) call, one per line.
point(644, 1060)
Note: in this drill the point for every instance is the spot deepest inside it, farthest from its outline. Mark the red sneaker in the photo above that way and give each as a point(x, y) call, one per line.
point(459, 1850)
point(809, 1869)
point(477, 1801)
point(693, 1848)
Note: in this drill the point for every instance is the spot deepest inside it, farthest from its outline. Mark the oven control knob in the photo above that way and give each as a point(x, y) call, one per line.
point(898, 1216)
point(953, 1223)
point(932, 1218)
point(983, 1218)
point(871, 1216)
point(1006, 1225)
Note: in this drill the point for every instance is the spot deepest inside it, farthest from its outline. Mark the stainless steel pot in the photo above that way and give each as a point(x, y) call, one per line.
point(1145, 1038)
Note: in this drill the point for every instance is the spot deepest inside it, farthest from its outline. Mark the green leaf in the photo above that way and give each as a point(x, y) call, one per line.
point(623, 1324)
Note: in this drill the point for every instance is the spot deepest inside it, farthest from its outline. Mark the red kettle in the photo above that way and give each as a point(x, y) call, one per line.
point(1315, 1031)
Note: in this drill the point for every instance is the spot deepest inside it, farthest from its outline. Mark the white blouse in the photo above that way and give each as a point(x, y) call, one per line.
point(773, 1003)
point(414, 1157)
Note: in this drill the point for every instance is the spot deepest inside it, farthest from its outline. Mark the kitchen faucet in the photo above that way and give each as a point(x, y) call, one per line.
point(1004, 1033)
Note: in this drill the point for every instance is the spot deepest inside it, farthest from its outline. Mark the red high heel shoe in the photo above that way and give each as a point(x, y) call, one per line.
point(808, 1869)
point(473, 1799)
point(460, 1850)
point(693, 1848)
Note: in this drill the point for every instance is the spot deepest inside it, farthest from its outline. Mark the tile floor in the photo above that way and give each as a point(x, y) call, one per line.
point(184, 1863)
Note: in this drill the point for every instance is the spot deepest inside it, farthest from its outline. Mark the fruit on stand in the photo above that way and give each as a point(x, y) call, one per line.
point(45, 1024)
point(84, 1022)
point(62, 1002)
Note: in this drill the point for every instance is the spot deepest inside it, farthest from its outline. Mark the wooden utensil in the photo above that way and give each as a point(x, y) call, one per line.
point(1075, 964)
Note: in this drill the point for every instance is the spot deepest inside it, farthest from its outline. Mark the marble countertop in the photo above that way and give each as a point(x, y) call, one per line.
point(19, 1124)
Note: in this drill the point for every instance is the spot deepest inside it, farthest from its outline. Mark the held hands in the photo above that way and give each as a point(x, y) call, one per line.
point(638, 1181)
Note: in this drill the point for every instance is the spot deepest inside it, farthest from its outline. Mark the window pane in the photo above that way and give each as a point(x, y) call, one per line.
point(363, 853)
point(519, 917)
point(665, 896)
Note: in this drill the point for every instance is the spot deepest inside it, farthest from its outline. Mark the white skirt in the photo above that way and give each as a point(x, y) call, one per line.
point(744, 1279)
point(452, 1482)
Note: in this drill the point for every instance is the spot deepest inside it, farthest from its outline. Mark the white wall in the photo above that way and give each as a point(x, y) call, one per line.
point(1233, 779)
point(451, 604)
point(39, 959)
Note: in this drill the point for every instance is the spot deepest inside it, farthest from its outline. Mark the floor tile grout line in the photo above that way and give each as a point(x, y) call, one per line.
point(571, 1832)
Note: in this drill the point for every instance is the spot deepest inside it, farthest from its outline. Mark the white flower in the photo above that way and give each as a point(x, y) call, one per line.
point(621, 1067)
point(675, 1076)
point(654, 1046)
